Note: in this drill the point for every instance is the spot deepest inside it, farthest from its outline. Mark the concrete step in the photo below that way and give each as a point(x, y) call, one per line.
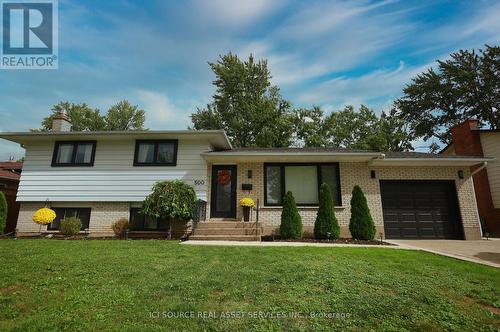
point(225, 224)
point(225, 237)
point(227, 231)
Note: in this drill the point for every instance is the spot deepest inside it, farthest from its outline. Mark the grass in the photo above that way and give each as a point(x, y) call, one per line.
point(115, 285)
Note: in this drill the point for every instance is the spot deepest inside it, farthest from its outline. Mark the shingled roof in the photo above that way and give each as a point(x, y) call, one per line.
point(388, 155)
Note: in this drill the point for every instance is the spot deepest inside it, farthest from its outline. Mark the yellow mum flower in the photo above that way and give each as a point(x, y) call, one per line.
point(247, 201)
point(44, 216)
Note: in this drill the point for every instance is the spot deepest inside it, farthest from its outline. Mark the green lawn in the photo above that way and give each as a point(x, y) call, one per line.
point(115, 285)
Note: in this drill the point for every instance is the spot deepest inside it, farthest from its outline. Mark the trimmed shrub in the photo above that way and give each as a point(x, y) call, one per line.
point(326, 222)
point(3, 212)
point(70, 226)
point(120, 227)
point(361, 224)
point(173, 200)
point(291, 222)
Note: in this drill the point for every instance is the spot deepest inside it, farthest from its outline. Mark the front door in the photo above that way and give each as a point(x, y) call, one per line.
point(223, 194)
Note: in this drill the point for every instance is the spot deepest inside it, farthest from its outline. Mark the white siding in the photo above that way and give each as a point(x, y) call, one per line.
point(491, 148)
point(113, 178)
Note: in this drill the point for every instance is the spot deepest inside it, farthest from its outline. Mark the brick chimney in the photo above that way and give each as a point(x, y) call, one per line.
point(61, 122)
point(466, 140)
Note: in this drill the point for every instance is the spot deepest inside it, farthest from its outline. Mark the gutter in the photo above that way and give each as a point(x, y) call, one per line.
point(485, 163)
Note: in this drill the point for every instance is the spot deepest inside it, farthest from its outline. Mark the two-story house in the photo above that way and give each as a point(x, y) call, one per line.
point(104, 176)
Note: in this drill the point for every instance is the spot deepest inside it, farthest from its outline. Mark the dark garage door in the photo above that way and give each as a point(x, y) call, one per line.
point(420, 210)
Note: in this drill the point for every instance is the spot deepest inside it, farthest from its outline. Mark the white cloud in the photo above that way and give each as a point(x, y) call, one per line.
point(235, 13)
point(375, 89)
point(161, 113)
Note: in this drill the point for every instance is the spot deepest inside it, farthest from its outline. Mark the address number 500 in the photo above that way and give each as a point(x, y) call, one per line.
point(199, 182)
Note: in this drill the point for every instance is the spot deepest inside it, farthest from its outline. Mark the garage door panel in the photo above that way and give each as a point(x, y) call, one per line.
point(420, 209)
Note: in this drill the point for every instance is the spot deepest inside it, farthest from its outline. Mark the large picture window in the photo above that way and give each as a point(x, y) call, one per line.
point(303, 180)
point(156, 153)
point(78, 153)
point(81, 213)
point(140, 222)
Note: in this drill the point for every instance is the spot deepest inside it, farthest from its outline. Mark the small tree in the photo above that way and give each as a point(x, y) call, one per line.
point(291, 222)
point(173, 200)
point(3, 212)
point(361, 224)
point(326, 222)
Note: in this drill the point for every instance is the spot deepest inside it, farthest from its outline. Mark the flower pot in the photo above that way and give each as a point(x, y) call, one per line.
point(246, 213)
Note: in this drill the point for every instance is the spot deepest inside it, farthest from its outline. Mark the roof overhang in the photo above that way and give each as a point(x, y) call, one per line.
point(217, 138)
point(223, 157)
point(459, 161)
point(372, 158)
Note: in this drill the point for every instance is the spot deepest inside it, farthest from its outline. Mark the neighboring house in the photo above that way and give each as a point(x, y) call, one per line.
point(10, 173)
point(104, 176)
point(469, 139)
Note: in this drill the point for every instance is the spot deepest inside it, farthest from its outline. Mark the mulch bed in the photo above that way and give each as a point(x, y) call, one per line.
point(338, 241)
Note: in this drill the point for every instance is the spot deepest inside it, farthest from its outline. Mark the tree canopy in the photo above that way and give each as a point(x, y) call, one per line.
point(465, 86)
point(362, 129)
point(246, 105)
point(121, 116)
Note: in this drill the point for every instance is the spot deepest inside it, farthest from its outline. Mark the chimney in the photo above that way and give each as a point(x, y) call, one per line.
point(466, 139)
point(61, 122)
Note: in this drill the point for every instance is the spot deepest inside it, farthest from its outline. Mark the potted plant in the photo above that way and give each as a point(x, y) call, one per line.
point(246, 203)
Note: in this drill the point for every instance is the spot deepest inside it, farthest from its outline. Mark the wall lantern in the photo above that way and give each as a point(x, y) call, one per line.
point(372, 174)
point(249, 173)
point(460, 174)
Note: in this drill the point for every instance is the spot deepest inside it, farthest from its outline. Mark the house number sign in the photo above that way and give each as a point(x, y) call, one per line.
point(199, 182)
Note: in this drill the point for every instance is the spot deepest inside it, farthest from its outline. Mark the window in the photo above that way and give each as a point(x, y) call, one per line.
point(156, 153)
point(140, 222)
point(82, 213)
point(79, 153)
point(303, 180)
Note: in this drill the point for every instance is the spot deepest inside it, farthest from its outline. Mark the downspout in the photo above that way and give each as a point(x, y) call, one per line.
point(485, 163)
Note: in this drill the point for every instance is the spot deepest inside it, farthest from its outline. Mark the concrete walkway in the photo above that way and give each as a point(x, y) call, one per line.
point(486, 252)
point(283, 244)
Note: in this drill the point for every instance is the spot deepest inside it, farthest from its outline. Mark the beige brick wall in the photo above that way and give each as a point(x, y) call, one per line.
point(102, 216)
point(352, 174)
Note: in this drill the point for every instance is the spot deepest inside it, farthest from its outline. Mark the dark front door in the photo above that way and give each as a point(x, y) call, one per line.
point(223, 194)
point(420, 210)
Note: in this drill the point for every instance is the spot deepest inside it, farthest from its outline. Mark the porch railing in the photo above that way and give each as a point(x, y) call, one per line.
point(199, 213)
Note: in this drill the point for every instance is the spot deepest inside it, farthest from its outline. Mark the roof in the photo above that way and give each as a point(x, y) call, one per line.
point(334, 154)
point(9, 175)
point(11, 165)
point(217, 138)
point(337, 150)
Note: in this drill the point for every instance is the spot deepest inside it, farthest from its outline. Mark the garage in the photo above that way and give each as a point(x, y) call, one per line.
point(420, 210)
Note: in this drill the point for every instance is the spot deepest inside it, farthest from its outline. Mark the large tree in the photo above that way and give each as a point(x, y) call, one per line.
point(362, 129)
point(465, 86)
point(251, 110)
point(121, 116)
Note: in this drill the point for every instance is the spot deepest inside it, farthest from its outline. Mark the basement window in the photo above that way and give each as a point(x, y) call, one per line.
point(81, 213)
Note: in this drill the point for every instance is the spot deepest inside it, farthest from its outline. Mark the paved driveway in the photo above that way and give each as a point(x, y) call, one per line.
point(485, 252)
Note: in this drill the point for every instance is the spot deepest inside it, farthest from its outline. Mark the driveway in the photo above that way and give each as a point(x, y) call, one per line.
point(485, 252)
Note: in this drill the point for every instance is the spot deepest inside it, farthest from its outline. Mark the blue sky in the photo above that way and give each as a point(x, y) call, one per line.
point(155, 53)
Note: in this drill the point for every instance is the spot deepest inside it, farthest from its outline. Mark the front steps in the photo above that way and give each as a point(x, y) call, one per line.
point(226, 231)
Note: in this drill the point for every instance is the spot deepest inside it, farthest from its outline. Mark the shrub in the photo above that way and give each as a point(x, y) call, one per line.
point(291, 222)
point(120, 227)
point(361, 224)
point(3, 212)
point(70, 226)
point(326, 222)
point(173, 200)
